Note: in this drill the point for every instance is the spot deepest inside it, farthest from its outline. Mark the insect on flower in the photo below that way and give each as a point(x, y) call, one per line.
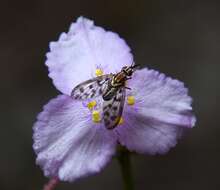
point(112, 88)
point(71, 135)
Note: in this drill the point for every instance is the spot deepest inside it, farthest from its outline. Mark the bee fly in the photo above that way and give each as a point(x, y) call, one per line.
point(112, 89)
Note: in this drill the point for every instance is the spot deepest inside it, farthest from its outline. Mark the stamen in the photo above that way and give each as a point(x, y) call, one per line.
point(98, 72)
point(130, 100)
point(91, 104)
point(121, 121)
point(96, 116)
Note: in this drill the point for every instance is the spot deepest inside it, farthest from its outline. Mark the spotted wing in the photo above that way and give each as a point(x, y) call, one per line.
point(112, 109)
point(91, 88)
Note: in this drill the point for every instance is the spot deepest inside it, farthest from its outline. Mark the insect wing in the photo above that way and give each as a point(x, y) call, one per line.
point(90, 88)
point(112, 109)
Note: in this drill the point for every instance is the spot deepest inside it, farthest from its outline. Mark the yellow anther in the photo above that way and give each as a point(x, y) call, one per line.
point(130, 100)
point(96, 116)
point(98, 72)
point(91, 104)
point(121, 121)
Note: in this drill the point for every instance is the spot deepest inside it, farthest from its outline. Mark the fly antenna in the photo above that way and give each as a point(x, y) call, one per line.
point(133, 65)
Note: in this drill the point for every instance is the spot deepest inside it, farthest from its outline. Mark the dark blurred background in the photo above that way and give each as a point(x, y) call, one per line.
point(177, 37)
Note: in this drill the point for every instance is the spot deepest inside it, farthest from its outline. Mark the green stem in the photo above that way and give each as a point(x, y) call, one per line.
point(125, 164)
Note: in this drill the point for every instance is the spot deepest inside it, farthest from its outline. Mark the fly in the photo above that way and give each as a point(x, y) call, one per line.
point(112, 89)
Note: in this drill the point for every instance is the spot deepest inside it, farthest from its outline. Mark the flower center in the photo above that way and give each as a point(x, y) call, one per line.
point(98, 72)
point(96, 116)
point(121, 121)
point(91, 104)
point(95, 106)
point(130, 100)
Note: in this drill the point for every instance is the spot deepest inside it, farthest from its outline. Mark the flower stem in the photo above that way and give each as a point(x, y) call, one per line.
point(125, 164)
point(51, 184)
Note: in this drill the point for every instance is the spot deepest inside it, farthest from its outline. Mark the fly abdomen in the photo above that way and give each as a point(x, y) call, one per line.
point(109, 93)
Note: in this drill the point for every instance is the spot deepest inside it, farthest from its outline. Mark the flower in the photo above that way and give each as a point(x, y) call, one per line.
point(70, 139)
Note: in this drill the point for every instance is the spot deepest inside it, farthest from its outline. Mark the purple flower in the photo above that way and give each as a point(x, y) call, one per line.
point(70, 139)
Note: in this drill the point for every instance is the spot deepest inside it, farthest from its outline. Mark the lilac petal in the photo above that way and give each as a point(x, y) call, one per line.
point(162, 98)
point(144, 135)
point(67, 143)
point(86, 47)
point(161, 112)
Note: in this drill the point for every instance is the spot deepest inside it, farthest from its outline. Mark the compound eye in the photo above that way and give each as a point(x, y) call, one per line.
point(129, 73)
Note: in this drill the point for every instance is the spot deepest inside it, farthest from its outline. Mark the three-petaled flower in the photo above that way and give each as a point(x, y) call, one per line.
point(70, 139)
